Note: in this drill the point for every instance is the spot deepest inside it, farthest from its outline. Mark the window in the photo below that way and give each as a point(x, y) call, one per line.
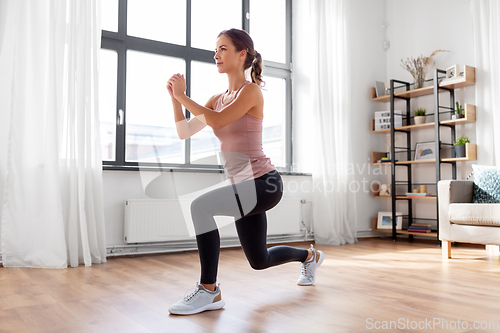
point(160, 20)
point(263, 12)
point(149, 110)
point(144, 42)
point(220, 15)
point(107, 103)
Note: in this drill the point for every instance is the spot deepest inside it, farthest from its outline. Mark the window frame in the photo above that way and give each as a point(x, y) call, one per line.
point(120, 42)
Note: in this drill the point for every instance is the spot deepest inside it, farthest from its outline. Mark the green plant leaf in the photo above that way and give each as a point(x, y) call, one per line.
point(462, 140)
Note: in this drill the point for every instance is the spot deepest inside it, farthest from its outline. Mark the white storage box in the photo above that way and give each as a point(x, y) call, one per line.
point(385, 114)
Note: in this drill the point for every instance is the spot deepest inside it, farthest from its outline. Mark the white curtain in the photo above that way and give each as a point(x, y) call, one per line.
point(4, 91)
point(52, 213)
point(334, 205)
point(486, 22)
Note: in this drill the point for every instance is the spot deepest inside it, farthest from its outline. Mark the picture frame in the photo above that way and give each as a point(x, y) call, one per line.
point(425, 151)
point(453, 72)
point(384, 220)
point(380, 88)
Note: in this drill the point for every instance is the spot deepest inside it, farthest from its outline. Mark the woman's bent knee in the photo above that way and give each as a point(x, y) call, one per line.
point(258, 265)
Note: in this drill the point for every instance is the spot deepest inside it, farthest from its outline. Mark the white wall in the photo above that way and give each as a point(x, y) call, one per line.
point(368, 64)
point(414, 28)
point(421, 29)
point(124, 185)
point(410, 38)
point(368, 59)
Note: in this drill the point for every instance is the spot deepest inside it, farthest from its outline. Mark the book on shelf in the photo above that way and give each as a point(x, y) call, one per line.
point(414, 227)
point(425, 228)
point(385, 161)
point(419, 230)
point(421, 225)
point(411, 194)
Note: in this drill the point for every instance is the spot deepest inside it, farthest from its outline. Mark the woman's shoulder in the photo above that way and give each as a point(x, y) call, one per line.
point(252, 88)
point(252, 93)
point(252, 84)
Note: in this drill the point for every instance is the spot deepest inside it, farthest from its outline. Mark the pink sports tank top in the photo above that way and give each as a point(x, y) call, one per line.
point(241, 145)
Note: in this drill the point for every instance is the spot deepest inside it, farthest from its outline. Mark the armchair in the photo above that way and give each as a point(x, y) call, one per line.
point(460, 220)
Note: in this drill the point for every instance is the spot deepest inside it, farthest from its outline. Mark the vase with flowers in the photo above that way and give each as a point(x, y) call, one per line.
point(418, 67)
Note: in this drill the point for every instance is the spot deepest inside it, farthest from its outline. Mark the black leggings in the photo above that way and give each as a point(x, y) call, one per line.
point(247, 202)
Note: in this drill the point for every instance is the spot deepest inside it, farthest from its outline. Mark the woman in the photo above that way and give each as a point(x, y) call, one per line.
point(256, 186)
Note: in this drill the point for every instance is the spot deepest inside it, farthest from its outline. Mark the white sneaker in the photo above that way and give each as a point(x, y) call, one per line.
point(198, 301)
point(308, 268)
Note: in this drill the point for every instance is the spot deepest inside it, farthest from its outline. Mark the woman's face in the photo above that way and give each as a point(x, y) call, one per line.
point(227, 57)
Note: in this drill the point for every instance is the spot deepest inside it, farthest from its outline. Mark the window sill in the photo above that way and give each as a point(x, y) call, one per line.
point(177, 169)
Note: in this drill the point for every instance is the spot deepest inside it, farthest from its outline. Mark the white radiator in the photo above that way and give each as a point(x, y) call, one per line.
point(163, 220)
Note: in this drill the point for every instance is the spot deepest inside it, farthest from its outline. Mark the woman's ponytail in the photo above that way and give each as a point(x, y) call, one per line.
point(256, 70)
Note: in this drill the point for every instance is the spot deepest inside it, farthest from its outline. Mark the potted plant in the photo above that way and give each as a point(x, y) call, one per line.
point(459, 111)
point(459, 145)
point(419, 116)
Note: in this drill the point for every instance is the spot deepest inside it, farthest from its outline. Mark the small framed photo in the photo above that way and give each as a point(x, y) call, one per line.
point(453, 72)
point(385, 220)
point(425, 151)
point(380, 88)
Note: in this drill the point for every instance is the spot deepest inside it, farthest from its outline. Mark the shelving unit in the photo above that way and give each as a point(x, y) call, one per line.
point(469, 113)
point(403, 197)
point(470, 155)
point(468, 79)
point(431, 234)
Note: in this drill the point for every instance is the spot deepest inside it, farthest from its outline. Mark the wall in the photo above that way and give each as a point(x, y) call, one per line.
point(422, 27)
point(368, 60)
point(368, 64)
point(413, 28)
point(123, 185)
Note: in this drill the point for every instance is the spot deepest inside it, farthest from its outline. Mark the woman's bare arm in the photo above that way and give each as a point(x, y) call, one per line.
point(186, 129)
point(248, 97)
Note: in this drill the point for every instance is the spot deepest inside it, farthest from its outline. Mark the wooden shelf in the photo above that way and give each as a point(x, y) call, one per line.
point(468, 79)
point(470, 155)
point(381, 196)
point(431, 234)
point(469, 113)
point(415, 162)
point(403, 197)
point(469, 116)
point(433, 197)
point(377, 155)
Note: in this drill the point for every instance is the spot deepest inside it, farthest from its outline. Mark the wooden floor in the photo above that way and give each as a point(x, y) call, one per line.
point(358, 286)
